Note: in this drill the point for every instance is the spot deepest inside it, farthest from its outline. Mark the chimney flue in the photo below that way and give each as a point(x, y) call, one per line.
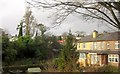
point(95, 33)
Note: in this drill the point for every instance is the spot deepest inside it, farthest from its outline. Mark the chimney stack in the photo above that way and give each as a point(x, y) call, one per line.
point(95, 34)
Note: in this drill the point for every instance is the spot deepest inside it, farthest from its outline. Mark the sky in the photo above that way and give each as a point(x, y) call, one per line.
point(12, 12)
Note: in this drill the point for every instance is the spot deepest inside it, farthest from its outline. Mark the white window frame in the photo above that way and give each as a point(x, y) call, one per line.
point(102, 45)
point(84, 45)
point(99, 45)
point(94, 58)
point(113, 57)
point(117, 46)
point(82, 56)
point(94, 45)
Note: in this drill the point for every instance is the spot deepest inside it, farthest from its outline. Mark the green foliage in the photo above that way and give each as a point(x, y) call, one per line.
point(44, 45)
point(59, 38)
point(5, 41)
point(0, 43)
point(54, 44)
point(68, 48)
point(59, 63)
point(41, 47)
point(10, 55)
point(67, 59)
point(25, 47)
point(40, 54)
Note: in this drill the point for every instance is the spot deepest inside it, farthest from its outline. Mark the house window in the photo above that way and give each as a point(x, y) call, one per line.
point(113, 58)
point(84, 45)
point(117, 45)
point(91, 46)
point(98, 45)
point(95, 45)
point(82, 56)
point(108, 45)
point(102, 45)
point(94, 59)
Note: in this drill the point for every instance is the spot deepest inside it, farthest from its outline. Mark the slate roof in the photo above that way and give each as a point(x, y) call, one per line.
point(102, 37)
point(100, 51)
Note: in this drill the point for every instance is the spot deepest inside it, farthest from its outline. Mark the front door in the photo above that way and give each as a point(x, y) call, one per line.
point(94, 59)
point(104, 59)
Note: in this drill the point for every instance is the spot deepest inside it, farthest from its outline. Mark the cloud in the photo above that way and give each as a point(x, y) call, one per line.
point(12, 11)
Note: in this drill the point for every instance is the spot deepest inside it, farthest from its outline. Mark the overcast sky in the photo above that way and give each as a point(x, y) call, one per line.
point(12, 12)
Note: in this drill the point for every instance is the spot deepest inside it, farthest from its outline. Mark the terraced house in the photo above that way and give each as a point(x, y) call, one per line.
point(99, 49)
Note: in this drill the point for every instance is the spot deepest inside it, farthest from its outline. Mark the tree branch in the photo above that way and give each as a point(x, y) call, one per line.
point(114, 16)
point(89, 7)
point(97, 18)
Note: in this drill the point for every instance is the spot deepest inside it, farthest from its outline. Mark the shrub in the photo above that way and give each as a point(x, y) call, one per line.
point(108, 68)
point(25, 47)
point(59, 63)
point(10, 55)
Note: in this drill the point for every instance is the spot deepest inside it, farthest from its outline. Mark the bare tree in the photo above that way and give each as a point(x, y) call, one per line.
point(30, 22)
point(42, 29)
point(108, 11)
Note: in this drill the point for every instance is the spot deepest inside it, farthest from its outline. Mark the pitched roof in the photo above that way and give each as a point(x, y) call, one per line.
point(102, 37)
point(60, 41)
point(101, 51)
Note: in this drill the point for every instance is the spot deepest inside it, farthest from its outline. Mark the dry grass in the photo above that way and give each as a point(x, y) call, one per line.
point(49, 66)
point(70, 66)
